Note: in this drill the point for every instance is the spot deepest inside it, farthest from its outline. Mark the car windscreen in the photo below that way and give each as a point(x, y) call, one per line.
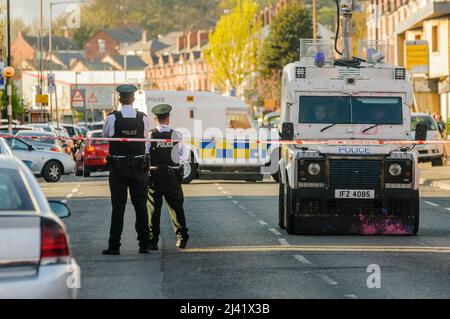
point(14, 195)
point(98, 135)
point(427, 120)
point(351, 110)
point(26, 136)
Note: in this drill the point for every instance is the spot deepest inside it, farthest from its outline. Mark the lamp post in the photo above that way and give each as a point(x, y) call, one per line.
point(9, 78)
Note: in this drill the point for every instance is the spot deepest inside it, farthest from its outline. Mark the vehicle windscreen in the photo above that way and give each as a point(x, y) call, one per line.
point(427, 120)
point(38, 140)
point(98, 135)
point(351, 110)
point(13, 193)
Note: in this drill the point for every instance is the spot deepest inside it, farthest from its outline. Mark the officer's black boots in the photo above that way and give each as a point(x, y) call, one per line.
point(144, 251)
point(152, 246)
point(111, 252)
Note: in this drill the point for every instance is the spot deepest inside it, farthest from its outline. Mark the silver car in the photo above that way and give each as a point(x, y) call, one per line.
point(35, 259)
point(41, 140)
point(434, 153)
point(50, 165)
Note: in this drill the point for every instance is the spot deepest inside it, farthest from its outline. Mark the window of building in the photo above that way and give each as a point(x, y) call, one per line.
point(101, 46)
point(418, 37)
point(435, 38)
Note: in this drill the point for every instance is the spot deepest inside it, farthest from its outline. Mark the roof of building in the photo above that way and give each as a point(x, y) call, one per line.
point(133, 62)
point(125, 34)
point(58, 43)
point(68, 57)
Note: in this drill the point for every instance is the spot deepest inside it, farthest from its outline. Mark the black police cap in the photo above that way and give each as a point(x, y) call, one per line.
point(126, 91)
point(162, 110)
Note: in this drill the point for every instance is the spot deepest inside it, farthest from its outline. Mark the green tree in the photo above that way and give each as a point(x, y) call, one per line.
point(282, 45)
point(18, 110)
point(232, 54)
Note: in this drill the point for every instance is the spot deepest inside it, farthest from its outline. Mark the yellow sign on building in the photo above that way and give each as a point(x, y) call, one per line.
point(417, 56)
point(41, 99)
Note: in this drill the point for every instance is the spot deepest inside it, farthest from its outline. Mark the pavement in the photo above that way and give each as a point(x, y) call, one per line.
point(438, 177)
point(237, 250)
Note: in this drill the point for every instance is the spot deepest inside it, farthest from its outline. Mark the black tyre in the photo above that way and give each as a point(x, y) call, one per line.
point(417, 217)
point(52, 172)
point(437, 162)
point(78, 172)
point(281, 206)
point(276, 177)
point(288, 217)
point(190, 173)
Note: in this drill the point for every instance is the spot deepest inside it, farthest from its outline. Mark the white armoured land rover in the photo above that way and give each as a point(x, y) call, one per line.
point(359, 186)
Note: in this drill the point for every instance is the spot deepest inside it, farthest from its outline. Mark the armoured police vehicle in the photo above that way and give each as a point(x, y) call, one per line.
point(347, 170)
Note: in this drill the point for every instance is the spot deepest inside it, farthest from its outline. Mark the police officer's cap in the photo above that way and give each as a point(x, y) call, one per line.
point(126, 91)
point(162, 110)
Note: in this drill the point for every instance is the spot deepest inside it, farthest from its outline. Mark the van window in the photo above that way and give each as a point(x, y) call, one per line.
point(238, 120)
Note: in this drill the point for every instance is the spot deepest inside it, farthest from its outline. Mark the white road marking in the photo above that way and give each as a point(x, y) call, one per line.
point(69, 196)
point(274, 231)
point(262, 222)
point(230, 197)
point(432, 204)
point(215, 184)
point(75, 190)
point(283, 242)
point(219, 188)
point(327, 279)
point(302, 259)
point(242, 207)
point(350, 297)
point(447, 208)
point(251, 214)
point(225, 192)
point(235, 202)
point(64, 201)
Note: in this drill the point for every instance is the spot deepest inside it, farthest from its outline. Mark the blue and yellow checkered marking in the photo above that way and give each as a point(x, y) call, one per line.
point(241, 150)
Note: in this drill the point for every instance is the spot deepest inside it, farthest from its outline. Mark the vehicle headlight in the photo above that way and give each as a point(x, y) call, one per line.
point(314, 169)
point(395, 169)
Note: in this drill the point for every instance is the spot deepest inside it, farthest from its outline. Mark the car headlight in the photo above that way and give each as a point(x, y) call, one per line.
point(314, 169)
point(395, 169)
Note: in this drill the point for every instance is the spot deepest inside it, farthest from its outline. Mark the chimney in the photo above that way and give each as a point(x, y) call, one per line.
point(191, 40)
point(202, 37)
point(144, 36)
point(181, 42)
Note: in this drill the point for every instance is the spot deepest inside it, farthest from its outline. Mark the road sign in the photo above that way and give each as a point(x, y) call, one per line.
point(417, 56)
point(92, 98)
point(51, 83)
point(78, 98)
point(41, 99)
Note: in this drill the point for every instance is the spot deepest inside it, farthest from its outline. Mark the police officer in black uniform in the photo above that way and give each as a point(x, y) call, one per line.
point(129, 166)
point(165, 178)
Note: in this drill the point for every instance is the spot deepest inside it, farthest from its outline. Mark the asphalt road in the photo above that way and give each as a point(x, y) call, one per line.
point(237, 250)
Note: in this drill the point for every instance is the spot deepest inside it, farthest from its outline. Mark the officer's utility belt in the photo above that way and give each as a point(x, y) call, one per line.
point(165, 168)
point(139, 161)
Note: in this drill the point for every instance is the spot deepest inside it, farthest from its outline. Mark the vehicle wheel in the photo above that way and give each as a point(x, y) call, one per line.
point(288, 217)
point(437, 162)
point(281, 206)
point(189, 172)
point(417, 217)
point(276, 177)
point(52, 172)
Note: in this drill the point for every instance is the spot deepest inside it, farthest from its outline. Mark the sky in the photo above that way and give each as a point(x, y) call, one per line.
point(29, 10)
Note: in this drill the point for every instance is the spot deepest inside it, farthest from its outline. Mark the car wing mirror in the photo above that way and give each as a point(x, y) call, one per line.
point(287, 131)
point(30, 148)
point(60, 209)
point(421, 132)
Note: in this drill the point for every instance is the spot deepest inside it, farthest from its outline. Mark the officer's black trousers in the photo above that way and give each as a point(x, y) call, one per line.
point(123, 177)
point(165, 185)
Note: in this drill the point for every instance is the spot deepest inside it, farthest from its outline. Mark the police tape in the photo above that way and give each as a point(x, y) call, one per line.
point(228, 140)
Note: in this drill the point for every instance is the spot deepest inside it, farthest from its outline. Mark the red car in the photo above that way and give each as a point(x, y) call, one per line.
point(91, 155)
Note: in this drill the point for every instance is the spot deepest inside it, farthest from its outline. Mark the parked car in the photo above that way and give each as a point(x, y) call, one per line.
point(35, 258)
point(91, 156)
point(39, 141)
point(49, 165)
point(17, 128)
point(434, 153)
point(92, 126)
point(47, 127)
point(4, 148)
